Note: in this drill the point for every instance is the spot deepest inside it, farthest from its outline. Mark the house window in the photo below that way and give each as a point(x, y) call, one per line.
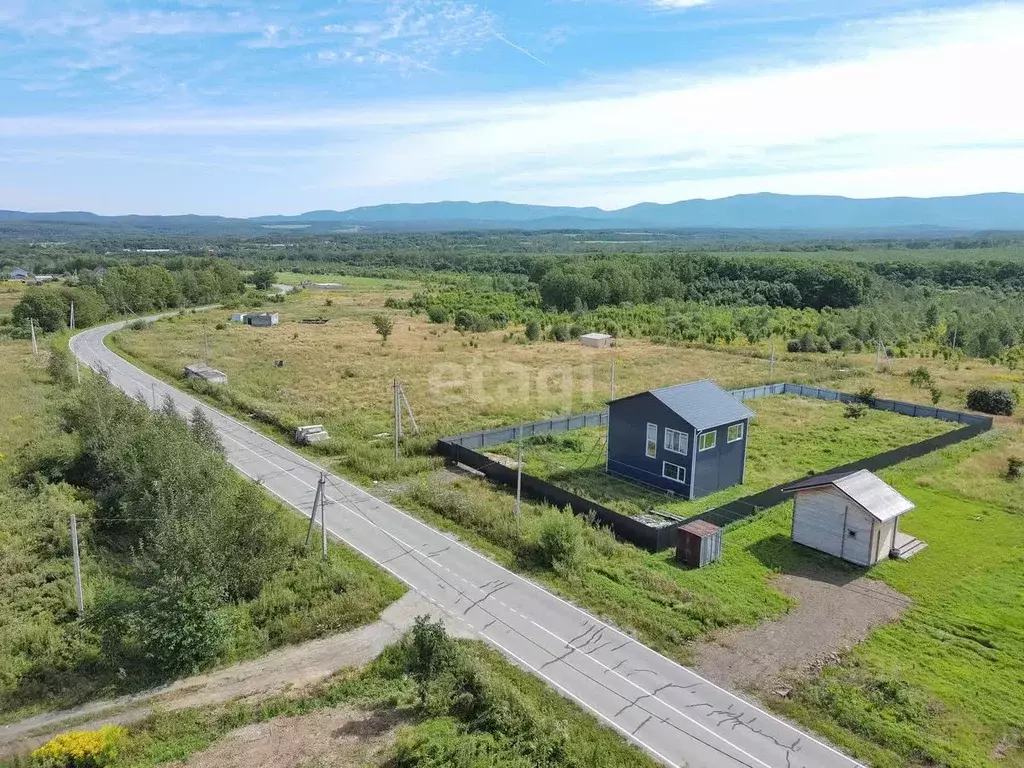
point(652, 441)
point(673, 472)
point(735, 433)
point(676, 441)
point(707, 441)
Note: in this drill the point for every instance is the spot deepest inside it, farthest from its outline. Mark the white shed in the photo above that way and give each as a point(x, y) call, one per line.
point(597, 340)
point(854, 516)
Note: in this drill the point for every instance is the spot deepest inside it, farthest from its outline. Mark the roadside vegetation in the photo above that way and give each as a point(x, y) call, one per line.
point(185, 565)
point(451, 703)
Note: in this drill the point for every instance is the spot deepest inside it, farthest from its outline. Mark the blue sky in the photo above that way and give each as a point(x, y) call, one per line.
point(238, 107)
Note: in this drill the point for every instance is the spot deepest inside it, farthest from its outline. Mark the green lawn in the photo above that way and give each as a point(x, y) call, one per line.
point(790, 437)
point(945, 684)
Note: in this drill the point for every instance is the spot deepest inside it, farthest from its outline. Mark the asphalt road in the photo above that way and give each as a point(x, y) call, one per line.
point(678, 717)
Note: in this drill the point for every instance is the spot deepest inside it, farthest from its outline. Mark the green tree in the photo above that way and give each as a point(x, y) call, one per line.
point(384, 325)
point(263, 278)
point(431, 652)
point(204, 432)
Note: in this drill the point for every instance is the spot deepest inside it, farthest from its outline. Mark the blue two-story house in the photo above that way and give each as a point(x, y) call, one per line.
point(689, 439)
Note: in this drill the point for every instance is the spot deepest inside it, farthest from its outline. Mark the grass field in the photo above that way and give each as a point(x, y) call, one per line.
point(50, 658)
point(790, 437)
point(340, 375)
point(10, 294)
point(942, 686)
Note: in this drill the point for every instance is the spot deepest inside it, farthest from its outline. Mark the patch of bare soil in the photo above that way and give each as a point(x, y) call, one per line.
point(335, 737)
point(832, 614)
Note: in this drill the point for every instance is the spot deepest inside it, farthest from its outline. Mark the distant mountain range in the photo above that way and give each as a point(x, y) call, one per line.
point(996, 211)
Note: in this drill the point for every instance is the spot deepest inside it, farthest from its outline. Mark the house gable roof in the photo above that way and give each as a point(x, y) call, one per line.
point(702, 404)
point(881, 500)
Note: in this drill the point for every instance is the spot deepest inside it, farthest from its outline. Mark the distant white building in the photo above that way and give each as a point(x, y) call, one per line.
point(19, 274)
point(46, 278)
point(239, 317)
point(596, 340)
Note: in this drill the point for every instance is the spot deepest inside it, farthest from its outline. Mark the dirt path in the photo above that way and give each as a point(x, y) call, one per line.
point(283, 669)
point(833, 613)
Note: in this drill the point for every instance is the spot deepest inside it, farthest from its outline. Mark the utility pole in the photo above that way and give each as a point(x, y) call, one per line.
point(206, 344)
point(771, 366)
point(398, 419)
point(72, 315)
point(78, 567)
point(312, 514)
point(519, 477)
point(78, 369)
point(611, 379)
point(32, 327)
point(323, 521)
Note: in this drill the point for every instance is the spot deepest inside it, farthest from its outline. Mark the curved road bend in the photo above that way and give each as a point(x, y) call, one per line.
point(678, 717)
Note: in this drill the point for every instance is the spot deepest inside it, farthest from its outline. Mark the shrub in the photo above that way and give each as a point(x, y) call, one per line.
point(533, 330)
point(1014, 468)
point(936, 395)
point(384, 325)
point(220, 326)
point(438, 314)
point(866, 396)
point(998, 402)
point(793, 345)
point(559, 540)
point(139, 325)
point(855, 410)
point(560, 332)
point(82, 749)
point(920, 377)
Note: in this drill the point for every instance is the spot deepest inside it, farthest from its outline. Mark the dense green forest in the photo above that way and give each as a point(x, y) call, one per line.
point(950, 297)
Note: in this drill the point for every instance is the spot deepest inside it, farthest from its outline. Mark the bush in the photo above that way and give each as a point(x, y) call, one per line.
point(1014, 468)
point(793, 345)
point(866, 396)
point(533, 330)
point(220, 326)
point(855, 410)
point(998, 402)
point(82, 749)
point(920, 377)
point(438, 314)
point(139, 325)
point(936, 395)
point(560, 332)
point(559, 540)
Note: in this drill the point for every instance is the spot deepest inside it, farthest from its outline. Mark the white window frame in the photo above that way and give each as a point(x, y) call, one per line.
point(741, 427)
point(680, 472)
point(683, 441)
point(651, 448)
point(701, 442)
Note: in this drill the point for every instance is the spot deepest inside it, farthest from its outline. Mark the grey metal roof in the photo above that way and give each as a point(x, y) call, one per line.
point(881, 500)
point(703, 404)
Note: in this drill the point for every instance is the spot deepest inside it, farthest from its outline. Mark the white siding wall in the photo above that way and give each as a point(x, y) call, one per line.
point(883, 543)
point(823, 519)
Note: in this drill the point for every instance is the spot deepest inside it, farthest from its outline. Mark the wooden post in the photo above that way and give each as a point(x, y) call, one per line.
point(78, 567)
point(519, 479)
point(612, 380)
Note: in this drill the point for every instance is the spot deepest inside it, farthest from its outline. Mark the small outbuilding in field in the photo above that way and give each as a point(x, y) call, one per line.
point(689, 439)
point(205, 372)
point(596, 340)
point(262, 319)
point(854, 516)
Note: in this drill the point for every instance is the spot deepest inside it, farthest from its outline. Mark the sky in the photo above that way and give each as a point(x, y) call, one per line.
point(246, 107)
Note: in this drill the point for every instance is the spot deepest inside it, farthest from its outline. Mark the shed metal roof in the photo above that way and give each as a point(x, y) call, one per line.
point(703, 404)
point(881, 500)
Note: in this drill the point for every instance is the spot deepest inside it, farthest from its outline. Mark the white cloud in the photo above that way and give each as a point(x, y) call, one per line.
point(920, 104)
point(678, 4)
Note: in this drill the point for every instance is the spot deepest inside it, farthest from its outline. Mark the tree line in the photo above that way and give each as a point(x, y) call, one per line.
point(128, 289)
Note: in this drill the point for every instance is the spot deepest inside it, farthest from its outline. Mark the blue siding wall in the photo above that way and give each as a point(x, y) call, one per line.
point(722, 466)
point(627, 443)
